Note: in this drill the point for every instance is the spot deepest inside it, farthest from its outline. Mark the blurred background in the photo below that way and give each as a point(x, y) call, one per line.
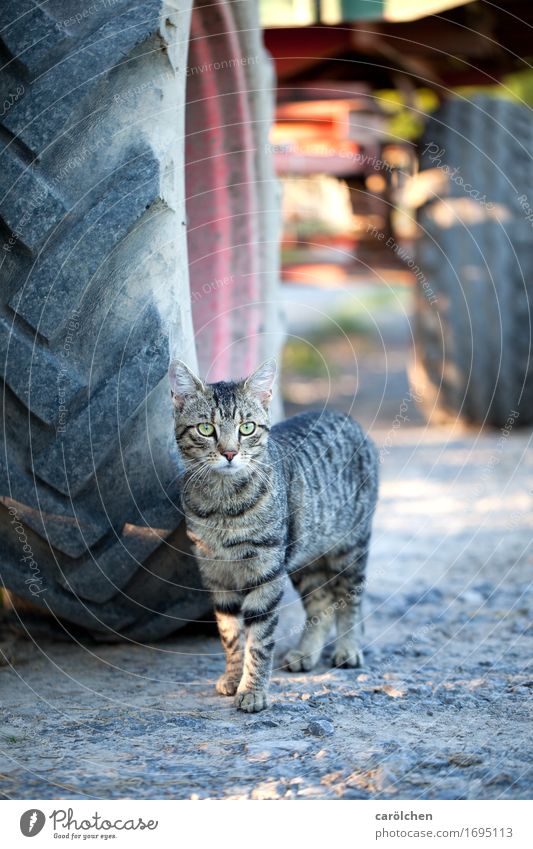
point(403, 143)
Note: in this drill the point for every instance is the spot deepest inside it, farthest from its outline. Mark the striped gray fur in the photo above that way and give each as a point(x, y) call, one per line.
point(297, 499)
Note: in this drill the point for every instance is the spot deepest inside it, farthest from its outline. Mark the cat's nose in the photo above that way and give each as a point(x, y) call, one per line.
point(229, 455)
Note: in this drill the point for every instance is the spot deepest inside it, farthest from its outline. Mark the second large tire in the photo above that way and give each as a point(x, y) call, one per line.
point(475, 292)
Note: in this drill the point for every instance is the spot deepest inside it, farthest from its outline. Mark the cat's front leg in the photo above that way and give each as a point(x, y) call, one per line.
point(231, 630)
point(260, 611)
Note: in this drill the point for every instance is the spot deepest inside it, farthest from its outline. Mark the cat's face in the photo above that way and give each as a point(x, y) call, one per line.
point(221, 428)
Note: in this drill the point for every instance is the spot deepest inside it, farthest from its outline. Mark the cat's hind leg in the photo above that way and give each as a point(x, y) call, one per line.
point(348, 565)
point(314, 586)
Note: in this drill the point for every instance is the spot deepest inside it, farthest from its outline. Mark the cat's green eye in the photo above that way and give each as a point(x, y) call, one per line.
point(247, 428)
point(205, 428)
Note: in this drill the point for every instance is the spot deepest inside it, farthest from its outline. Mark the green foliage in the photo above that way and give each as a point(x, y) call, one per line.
point(302, 357)
point(406, 120)
point(520, 86)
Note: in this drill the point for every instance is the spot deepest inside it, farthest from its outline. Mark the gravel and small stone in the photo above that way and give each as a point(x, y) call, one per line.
point(441, 709)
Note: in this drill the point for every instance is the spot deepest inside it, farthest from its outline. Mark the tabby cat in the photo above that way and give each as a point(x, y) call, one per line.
point(260, 503)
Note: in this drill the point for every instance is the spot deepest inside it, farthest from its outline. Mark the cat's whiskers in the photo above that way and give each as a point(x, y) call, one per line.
point(198, 476)
point(260, 470)
point(262, 477)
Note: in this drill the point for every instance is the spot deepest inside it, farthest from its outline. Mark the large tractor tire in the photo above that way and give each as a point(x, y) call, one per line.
point(475, 291)
point(138, 221)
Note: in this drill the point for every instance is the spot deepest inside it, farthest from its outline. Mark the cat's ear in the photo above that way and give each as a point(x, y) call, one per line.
point(261, 380)
point(183, 382)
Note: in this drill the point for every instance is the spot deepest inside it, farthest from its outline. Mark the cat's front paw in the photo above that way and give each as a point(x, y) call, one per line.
point(347, 657)
point(227, 685)
point(251, 701)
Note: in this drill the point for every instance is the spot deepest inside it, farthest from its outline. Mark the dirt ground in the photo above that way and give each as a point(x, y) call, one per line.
point(442, 707)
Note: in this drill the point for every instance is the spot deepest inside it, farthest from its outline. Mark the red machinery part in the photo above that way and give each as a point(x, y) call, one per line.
point(223, 198)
